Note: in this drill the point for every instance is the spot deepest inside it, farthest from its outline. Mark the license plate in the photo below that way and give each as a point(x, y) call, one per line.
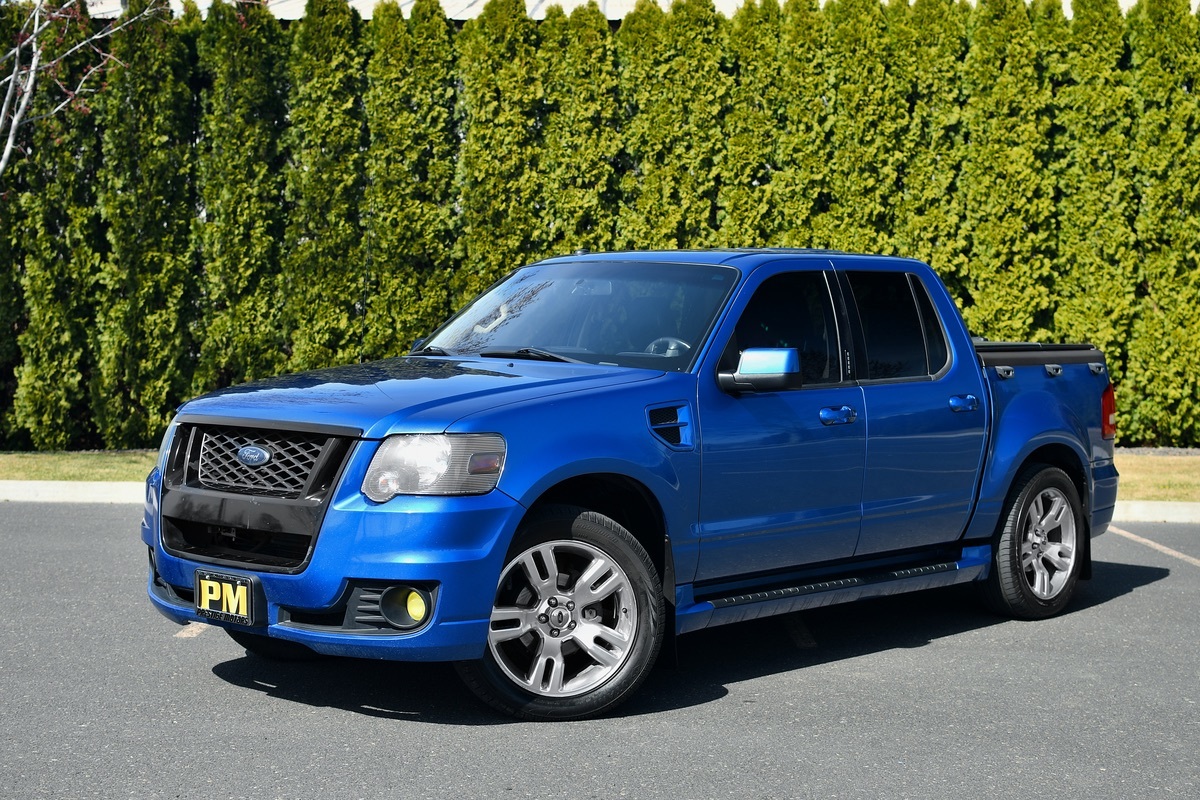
point(228, 598)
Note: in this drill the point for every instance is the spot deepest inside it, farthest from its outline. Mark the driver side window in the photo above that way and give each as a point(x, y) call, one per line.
point(792, 310)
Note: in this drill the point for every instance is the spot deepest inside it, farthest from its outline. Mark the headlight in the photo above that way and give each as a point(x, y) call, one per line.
point(435, 464)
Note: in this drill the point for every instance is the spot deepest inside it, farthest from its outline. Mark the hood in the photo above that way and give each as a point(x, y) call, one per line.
point(407, 394)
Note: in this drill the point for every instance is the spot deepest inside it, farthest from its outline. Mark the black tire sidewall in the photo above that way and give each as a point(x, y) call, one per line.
point(1008, 589)
point(559, 523)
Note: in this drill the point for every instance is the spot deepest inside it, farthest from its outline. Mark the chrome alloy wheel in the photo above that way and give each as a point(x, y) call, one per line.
point(1048, 546)
point(564, 619)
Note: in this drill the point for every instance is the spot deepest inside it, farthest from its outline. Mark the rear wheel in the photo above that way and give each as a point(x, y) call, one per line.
point(576, 623)
point(272, 649)
point(1039, 547)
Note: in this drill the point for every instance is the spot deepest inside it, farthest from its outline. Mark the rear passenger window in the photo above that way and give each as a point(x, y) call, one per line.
point(901, 334)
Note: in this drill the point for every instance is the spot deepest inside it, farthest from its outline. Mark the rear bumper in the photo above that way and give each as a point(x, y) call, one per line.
point(1104, 495)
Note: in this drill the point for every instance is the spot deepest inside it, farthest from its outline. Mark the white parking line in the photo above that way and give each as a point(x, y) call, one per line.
point(191, 631)
point(1195, 562)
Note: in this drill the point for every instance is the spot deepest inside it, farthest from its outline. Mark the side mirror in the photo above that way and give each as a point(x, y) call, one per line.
point(763, 369)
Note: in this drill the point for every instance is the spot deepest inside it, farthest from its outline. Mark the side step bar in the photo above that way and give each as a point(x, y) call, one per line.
point(692, 616)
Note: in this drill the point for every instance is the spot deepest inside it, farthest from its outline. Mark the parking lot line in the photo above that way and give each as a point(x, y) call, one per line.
point(191, 631)
point(1195, 562)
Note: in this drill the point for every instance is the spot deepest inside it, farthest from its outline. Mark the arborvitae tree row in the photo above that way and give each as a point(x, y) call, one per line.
point(676, 95)
point(800, 189)
point(242, 54)
point(1161, 393)
point(11, 303)
point(868, 68)
point(748, 203)
point(1009, 224)
point(502, 96)
point(146, 186)
point(931, 204)
point(323, 274)
point(11, 318)
point(581, 137)
point(353, 183)
point(62, 252)
point(1097, 262)
point(409, 224)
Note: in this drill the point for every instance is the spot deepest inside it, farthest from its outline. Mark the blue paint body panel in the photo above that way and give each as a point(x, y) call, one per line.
point(755, 503)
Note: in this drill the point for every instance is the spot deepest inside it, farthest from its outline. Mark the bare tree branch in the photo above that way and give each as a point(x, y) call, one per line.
point(32, 56)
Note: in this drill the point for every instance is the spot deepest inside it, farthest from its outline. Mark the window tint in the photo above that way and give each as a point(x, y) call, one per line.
point(893, 336)
point(935, 337)
point(791, 310)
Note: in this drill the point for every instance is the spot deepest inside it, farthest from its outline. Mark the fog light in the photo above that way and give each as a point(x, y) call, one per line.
point(404, 607)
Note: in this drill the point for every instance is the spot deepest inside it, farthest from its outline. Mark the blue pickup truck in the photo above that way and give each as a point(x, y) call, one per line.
point(605, 449)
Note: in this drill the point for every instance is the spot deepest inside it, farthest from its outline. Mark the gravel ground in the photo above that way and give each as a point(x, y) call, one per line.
point(1159, 451)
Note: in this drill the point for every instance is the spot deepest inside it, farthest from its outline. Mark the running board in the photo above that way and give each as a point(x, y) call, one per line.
point(691, 616)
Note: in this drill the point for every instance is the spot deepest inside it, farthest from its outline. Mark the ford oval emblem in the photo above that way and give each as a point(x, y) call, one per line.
point(253, 455)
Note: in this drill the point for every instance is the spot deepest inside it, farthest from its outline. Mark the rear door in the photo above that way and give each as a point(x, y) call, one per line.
point(924, 396)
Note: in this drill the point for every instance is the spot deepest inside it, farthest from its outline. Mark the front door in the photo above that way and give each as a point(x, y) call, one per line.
point(781, 472)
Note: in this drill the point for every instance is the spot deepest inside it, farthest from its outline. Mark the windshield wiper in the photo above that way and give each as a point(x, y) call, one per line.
point(429, 351)
point(530, 353)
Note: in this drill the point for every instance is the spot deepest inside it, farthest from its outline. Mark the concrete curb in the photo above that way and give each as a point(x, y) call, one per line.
point(125, 492)
point(1149, 511)
point(132, 493)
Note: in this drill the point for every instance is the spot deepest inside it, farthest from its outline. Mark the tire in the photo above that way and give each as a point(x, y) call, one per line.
point(576, 623)
point(1039, 548)
point(273, 649)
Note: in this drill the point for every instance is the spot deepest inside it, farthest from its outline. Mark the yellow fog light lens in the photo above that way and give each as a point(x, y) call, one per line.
point(405, 607)
point(416, 607)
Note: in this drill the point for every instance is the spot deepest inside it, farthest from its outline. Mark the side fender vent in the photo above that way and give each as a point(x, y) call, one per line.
point(672, 424)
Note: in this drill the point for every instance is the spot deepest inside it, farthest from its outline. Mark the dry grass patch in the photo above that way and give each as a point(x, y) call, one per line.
point(1146, 476)
point(117, 465)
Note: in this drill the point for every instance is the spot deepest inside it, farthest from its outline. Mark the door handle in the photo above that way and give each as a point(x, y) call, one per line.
point(964, 402)
point(838, 416)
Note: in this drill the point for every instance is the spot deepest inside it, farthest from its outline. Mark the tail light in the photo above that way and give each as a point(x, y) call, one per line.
point(1108, 413)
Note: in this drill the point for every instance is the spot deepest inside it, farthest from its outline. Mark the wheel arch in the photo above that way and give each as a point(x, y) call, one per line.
point(632, 505)
point(1065, 458)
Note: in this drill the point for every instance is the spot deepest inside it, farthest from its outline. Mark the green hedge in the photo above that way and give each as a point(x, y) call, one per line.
point(242, 61)
point(251, 197)
point(409, 223)
point(145, 295)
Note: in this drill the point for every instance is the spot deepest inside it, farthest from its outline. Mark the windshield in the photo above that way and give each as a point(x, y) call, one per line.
point(622, 313)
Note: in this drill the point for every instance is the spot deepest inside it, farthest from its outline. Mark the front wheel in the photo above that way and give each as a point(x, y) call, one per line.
point(576, 623)
point(1038, 547)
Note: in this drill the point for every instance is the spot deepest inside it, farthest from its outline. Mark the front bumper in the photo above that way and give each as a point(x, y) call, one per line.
point(454, 546)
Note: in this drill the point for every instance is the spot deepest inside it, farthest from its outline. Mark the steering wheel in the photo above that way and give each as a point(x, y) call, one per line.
point(670, 346)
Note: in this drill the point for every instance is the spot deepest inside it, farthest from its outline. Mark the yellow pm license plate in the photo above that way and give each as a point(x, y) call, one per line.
point(228, 598)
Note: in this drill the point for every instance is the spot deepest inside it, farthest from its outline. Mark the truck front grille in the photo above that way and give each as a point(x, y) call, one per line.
point(261, 512)
point(286, 474)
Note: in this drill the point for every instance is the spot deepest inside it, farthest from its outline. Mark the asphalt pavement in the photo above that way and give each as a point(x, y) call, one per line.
point(915, 696)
